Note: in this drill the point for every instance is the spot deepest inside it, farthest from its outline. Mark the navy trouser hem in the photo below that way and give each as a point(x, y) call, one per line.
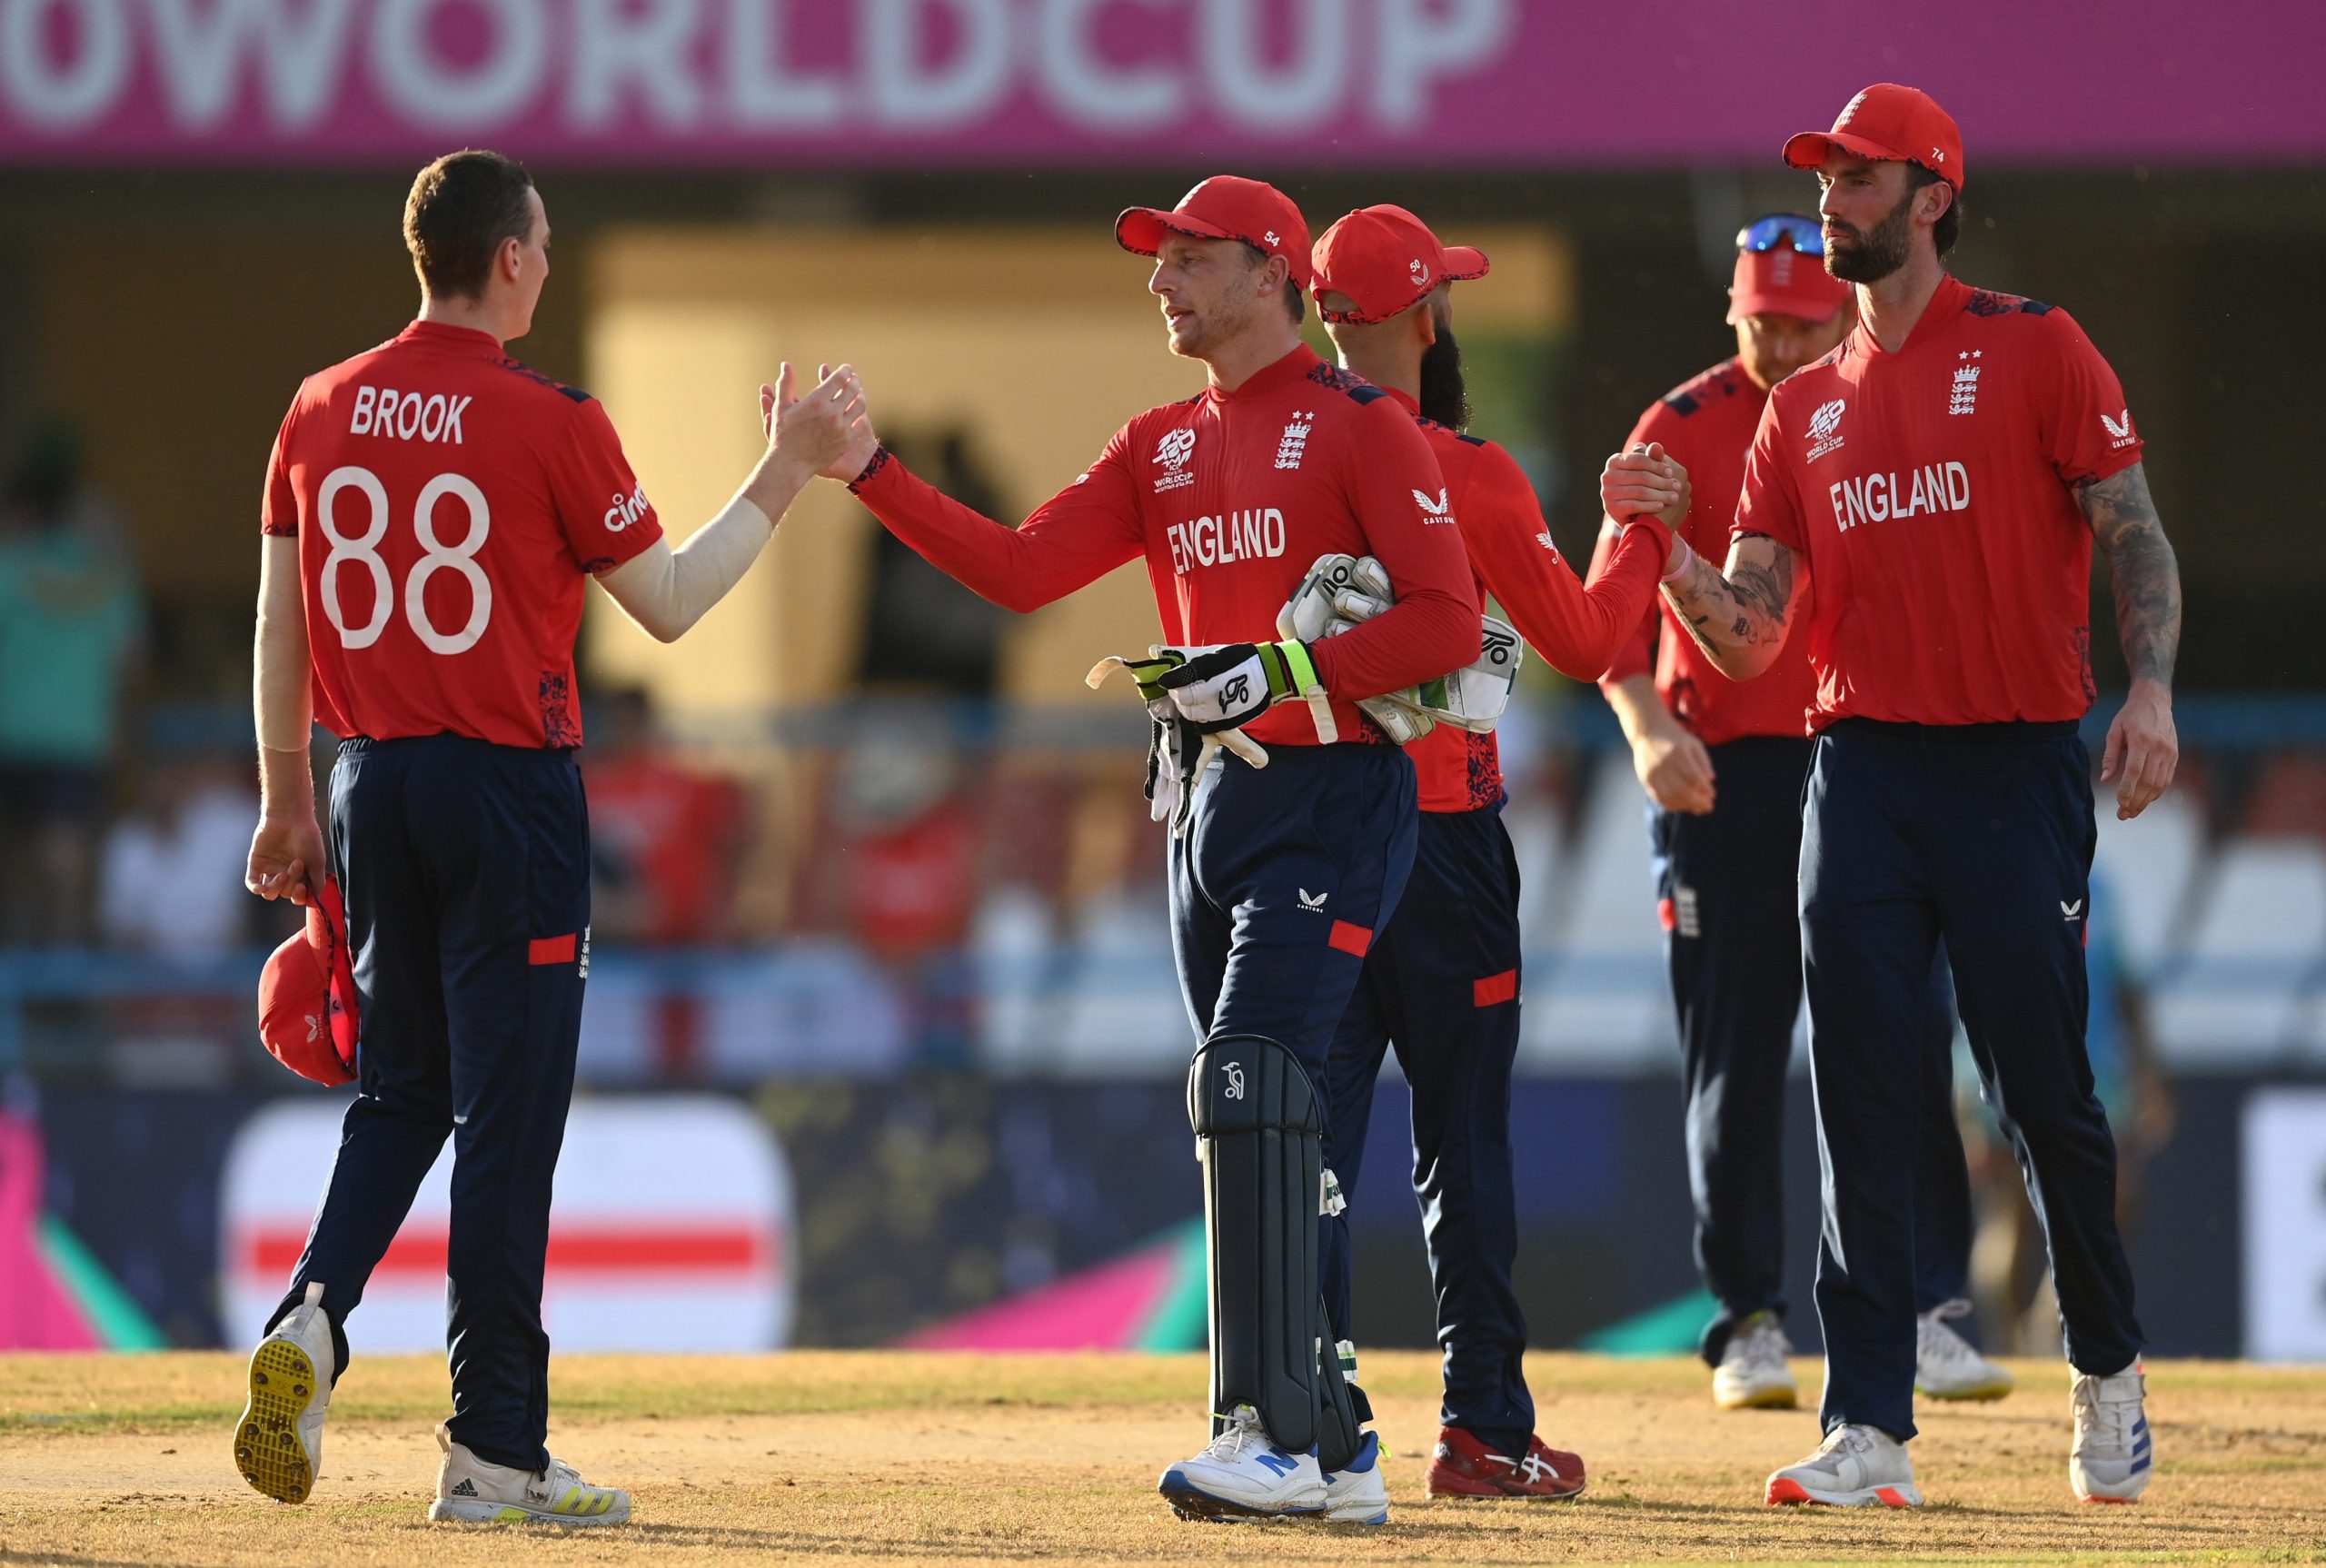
point(465, 870)
point(1977, 841)
point(1442, 986)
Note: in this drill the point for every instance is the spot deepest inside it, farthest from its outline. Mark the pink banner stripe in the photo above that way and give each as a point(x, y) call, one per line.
point(825, 84)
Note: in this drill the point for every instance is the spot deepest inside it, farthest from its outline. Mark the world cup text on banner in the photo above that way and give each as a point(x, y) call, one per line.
point(820, 84)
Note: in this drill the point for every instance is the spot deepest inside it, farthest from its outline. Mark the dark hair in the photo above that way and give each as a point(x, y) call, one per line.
point(1949, 227)
point(461, 208)
point(1295, 305)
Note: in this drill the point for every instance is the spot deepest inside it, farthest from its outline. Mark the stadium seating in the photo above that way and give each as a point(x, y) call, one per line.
point(2256, 954)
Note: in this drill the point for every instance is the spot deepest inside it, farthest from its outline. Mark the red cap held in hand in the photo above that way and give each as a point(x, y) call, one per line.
point(1386, 260)
point(1889, 123)
point(1224, 207)
point(306, 996)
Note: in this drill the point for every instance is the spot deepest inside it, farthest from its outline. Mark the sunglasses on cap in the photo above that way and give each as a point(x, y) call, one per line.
point(1789, 229)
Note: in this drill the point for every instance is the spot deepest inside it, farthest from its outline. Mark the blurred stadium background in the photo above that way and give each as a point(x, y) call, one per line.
point(882, 1042)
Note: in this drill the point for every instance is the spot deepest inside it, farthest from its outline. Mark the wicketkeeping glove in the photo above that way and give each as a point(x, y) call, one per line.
point(1341, 591)
point(1227, 688)
point(1472, 697)
point(1178, 750)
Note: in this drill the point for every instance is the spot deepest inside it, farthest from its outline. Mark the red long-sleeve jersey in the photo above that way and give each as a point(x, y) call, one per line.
point(1575, 625)
point(1707, 423)
point(1231, 496)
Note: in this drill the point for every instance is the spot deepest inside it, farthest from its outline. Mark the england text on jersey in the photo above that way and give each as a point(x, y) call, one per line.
point(1228, 496)
point(1930, 492)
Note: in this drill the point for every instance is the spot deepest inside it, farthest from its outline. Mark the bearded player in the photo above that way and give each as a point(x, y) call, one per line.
point(1924, 500)
point(1722, 762)
point(1442, 980)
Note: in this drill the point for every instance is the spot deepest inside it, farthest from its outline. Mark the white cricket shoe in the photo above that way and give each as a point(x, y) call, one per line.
point(1853, 1466)
point(2112, 1455)
point(474, 1491)
point(1358, 1494)
point(279, 1441)
point(1946, 1365)
point(1752, 1374)
point(1242, 1475)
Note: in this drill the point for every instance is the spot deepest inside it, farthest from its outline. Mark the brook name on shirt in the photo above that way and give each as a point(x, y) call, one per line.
point(407, 416)
point(1252, 534)
point(1886, 498)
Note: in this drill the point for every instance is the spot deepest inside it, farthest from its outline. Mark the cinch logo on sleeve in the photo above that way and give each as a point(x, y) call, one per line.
point(1885, 498)
point(407, 416)
point(1254, 533)
point(1821, 427)
point(627, 509)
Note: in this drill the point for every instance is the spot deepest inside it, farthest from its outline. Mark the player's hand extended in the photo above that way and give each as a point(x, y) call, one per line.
point(2143, 749)
point(827, 431)
point(1646, 479)
point(1675, 770)
point(286, 858)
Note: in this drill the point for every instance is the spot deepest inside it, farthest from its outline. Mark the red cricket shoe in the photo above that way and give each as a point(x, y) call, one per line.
point(1462, 1466)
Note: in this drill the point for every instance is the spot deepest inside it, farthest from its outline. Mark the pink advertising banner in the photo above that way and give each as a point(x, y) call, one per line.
point(1055, 84)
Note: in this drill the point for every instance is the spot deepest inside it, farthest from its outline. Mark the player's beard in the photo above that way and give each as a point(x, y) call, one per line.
point(1873, 256)
point(1444, 396)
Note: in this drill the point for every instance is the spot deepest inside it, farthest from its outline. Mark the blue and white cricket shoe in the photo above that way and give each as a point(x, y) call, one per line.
point(1242, 1475)
point(1358, 1494)
point(2113, 1454)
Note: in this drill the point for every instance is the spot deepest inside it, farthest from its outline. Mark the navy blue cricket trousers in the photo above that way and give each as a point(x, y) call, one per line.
point(1441, 985)
point(1978, 837)
point(466, 871)
point(1726, 883)
point(1279, 887)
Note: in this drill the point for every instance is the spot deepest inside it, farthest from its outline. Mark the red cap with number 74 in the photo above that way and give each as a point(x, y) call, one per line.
point(1889, 123)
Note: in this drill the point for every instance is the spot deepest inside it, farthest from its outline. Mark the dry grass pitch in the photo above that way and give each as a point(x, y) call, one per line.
point(884, 1457)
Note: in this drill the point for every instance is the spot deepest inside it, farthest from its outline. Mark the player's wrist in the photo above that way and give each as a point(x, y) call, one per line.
point(779, 476)
point(880, 459)
point(1291, 669)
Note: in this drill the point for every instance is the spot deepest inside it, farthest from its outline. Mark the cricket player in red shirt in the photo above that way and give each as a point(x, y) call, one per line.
point(434, 513)
point(1280, 875)
point(1723, 763)
point(1442, 980)
point(1924, 500)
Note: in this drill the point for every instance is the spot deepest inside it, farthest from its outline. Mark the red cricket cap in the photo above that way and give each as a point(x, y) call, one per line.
point(1386, 260)
point(1890, 124)
point(1224, 207)
point(1783, 281)
point(306, 996)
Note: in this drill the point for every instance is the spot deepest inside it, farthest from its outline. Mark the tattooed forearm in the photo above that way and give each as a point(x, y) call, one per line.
point(1739, 619)
point(2140, 562)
